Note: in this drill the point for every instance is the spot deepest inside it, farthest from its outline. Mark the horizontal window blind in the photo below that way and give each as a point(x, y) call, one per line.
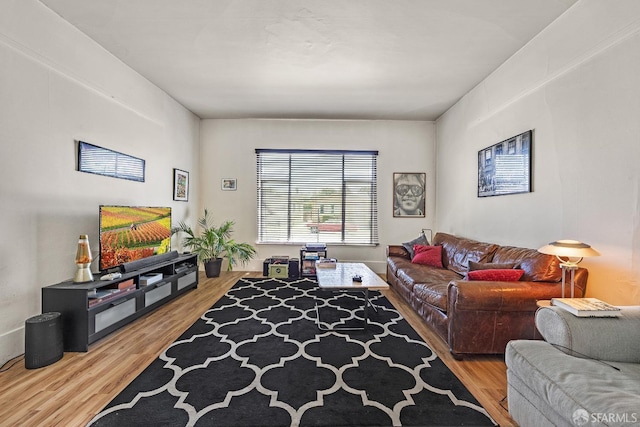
point(317, 196)
point(102, 161)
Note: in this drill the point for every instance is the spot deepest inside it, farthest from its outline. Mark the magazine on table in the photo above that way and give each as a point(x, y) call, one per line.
point(326, 263)
point(586, 307)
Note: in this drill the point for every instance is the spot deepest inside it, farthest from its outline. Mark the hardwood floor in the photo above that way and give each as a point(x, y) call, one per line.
point(71, 391)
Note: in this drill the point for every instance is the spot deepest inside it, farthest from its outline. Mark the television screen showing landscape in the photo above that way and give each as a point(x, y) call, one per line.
point(129, 233)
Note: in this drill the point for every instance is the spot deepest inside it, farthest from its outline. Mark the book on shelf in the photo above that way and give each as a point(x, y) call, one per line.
point(98, 296)
point(150, 279)
point(181, 268)
point(312, 255)
point(120, 285)
point(318, 246)
point(101, 293)
point(586, 307)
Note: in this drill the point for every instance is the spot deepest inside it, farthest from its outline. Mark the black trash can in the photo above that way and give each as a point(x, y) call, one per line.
point(43, 343)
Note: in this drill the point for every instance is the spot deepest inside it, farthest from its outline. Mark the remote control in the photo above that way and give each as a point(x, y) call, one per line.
point(357, 278)
point(111, 276)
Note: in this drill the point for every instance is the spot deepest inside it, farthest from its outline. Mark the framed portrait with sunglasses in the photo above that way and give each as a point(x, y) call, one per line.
point(409, 194)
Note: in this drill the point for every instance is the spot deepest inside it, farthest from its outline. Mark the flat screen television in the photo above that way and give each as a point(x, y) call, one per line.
point(129, 233)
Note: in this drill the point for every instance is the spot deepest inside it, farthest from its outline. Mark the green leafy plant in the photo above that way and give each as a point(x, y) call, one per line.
point(214, 242)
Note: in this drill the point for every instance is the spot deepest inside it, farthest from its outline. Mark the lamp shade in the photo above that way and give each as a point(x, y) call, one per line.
point(570, 253)
point(569, 249)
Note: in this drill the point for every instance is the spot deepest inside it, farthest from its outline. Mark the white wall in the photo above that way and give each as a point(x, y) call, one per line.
point(56, 87)
point(577, 85)
point(228, 151)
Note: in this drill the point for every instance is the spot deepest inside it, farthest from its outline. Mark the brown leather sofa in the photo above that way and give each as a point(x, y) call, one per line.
point(478, 317)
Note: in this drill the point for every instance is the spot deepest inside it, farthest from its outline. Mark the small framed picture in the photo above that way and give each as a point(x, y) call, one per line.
point(229, 184)
point(409, 194)
point(180, 185)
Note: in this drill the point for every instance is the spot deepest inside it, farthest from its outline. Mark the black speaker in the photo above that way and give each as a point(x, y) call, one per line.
point(146, 262)
point(43, 343)
point(294, 268)
point(265, 267)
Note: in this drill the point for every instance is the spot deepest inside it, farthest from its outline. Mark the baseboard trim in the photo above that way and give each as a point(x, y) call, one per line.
point(11, 345)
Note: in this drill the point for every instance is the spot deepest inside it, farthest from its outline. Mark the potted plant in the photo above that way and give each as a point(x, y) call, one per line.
point(213, 244)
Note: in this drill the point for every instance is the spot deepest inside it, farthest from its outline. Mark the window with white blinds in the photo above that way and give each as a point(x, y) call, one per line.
point(317, 196)
point(103, 161)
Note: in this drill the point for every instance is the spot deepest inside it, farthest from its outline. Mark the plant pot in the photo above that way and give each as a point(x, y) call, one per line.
point(212, 267)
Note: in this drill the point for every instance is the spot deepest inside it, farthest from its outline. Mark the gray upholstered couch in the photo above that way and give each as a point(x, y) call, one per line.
point(585, 373)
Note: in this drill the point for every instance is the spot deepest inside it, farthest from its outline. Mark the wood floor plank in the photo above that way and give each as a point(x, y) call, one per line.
point(73, 390)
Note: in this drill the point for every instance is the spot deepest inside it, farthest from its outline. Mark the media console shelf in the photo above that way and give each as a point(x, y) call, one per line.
point(94, 309)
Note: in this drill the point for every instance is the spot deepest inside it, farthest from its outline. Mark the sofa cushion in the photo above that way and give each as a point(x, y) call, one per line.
point(537, 267)
point(613, 339)
point(490, 265)
point(427, 284)
point(427, 255)
point(434, 294)
point(458, 251)
point(499, 275)
point(567, 383)
point(420, 240)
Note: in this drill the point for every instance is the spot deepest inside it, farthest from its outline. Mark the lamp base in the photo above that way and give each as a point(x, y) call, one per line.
point(571, 267)
point(83, 274)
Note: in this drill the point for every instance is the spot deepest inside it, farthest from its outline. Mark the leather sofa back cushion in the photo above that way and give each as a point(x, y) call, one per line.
point(490, 266)
point(537, 267)
point(498, 275)
point(427, 255)
point(458, 251)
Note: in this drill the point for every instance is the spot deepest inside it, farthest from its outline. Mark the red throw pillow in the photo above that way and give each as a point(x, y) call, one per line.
point(427, 255)
point(498, 275)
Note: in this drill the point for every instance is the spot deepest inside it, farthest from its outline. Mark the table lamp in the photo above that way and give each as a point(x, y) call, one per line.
point(83, 261)
point(570, 253)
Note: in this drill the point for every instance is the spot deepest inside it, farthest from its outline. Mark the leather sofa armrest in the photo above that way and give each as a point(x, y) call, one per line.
point(397, 250)
point(614, 339)
point(499, 296)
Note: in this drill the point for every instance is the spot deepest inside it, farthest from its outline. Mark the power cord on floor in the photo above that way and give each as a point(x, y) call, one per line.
point(15, 360)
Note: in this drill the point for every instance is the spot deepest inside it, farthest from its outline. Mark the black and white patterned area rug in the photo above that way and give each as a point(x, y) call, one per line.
point(257, 358)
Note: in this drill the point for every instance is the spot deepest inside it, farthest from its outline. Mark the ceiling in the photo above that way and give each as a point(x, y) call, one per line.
point(313, 59)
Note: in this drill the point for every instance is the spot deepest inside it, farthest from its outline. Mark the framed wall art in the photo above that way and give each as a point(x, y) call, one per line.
point(505, 167)
point(229, 184)
point(180, 185)
point(409, 194)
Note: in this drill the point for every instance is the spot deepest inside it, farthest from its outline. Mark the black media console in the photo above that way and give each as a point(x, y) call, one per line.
point(94, 309)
